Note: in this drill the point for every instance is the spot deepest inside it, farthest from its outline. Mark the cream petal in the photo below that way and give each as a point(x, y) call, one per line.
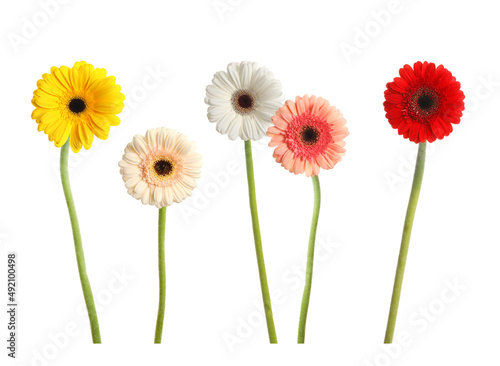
point(158, 195)
point(140, 146)
point(146, 196)
point(184, 147)
point(151, 137)
point(141, 186)
point(189, 182)
point(131, 171)
point(168, 197)
point(132, 182)
point(132, 157)
point(170, 139)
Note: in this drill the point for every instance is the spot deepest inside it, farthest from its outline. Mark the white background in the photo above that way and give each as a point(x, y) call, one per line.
point(212, 282)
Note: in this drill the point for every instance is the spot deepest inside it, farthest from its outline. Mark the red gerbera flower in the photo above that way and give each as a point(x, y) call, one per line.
point(423, 103)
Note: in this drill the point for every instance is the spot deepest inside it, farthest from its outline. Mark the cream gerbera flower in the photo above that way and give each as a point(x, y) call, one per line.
point(161, 167)
point(79, 102)
point(243, 100)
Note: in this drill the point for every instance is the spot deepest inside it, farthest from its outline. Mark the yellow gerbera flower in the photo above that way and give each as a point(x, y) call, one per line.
point(78, 103)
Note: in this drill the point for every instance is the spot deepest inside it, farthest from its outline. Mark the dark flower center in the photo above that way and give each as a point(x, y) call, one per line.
point(309, 135)
point(77, 105)
point(424, 102)
point(243, 101)
point(163, 167)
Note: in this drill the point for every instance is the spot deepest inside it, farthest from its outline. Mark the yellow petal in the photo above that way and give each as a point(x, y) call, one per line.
point(53, 80)
point(48, 88)
point(62, 75)
point(96, 78)
point(86, 135)
point(49, 130)
point(108, 107)
point(82, 80)
point(113, 120)
point(38, 112)
point(61, 134)
point(79, 64)
point(101, 120)
point(98, 131)
point(111, 93)
point(80, 76)
point(51, 117)
point(74, 139)
point(88, 70)
point(44, 100)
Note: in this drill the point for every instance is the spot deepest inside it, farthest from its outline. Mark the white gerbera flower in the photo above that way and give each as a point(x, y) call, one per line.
point(243, 100)
point(160, 168)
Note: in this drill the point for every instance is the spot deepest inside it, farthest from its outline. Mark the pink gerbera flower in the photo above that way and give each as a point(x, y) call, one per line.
point(308, 135)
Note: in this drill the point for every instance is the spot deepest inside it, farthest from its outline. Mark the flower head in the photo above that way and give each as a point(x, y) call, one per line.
point(308, 135)
point(242, 100)
point(161, 167)
point(79, 102)
point(423, 103)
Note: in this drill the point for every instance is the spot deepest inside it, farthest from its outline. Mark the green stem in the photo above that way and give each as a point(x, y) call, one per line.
point(405, 242)
point(161, 270)
point(80, 258)
point(258, 245)
point(310, 261)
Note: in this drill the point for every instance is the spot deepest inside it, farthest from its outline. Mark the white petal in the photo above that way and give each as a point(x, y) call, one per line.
point(217, 112)
point(245, 73)
point(225, 121)
point(218, 92)
point(218, 102)
point(271, 92)
point(235, 128)
point(223, 81)
point(234, 75)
